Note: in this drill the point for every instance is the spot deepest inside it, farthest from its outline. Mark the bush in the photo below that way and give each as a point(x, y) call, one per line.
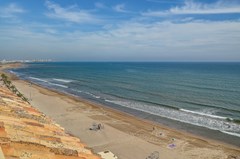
point(11, 87)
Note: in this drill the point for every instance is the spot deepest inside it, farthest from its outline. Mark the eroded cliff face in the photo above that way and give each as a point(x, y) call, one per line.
point(26, 133)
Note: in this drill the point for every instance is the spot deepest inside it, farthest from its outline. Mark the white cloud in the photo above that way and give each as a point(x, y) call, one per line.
point(100, 5)
point(11, 10)
point(51, 31)
point(120, 8)
point(134, 41)
point(165, 1)
point(69, 14)
point(191, 7)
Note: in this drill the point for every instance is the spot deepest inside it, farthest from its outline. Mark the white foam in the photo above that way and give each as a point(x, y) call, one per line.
point(203, 114)
point(183, 116)
point(109, 101)
point(76, 90)
point(60, 85)
point(231, 133)
point(62, 80)
point(92, 95)
point(38, 79)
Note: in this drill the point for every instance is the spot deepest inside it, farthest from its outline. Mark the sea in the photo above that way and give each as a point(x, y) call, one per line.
point(202, 98)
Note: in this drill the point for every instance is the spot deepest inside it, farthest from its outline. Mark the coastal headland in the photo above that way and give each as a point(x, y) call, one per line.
point(127, 136)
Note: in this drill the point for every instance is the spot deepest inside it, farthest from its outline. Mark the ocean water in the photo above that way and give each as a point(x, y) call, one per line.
point(205, 95)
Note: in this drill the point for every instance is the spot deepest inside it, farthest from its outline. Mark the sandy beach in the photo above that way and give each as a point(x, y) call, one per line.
point(128, 137)
point(26, 132)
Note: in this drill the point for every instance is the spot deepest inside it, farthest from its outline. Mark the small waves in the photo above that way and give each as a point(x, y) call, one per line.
point(76, 90)
point(47, 82)
point(142, 101)
point(92, 95)
point(186, 116)
point(208, 105)
point(59, 85)
point(38, 79)
point(12, 72)
point(62, 80)
point(231, 133)
point(88, 93)
point(204, 114)
point(18, 74)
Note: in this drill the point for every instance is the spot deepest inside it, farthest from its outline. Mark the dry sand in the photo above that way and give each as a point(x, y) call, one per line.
point(126, 136)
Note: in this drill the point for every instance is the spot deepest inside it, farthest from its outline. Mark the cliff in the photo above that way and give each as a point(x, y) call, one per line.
point(27, 133)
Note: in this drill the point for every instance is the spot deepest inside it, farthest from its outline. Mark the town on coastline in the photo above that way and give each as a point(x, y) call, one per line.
point(4, 61)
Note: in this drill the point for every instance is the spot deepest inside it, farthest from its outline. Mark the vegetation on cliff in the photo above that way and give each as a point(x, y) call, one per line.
point(7, 82)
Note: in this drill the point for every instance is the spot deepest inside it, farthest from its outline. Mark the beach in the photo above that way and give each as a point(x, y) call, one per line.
point(127, 136)
point(25, 132)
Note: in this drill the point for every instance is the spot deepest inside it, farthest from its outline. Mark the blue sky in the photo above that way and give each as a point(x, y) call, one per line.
point(133, 30)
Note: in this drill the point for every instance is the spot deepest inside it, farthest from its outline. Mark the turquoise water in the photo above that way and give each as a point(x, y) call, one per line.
point(201, 94)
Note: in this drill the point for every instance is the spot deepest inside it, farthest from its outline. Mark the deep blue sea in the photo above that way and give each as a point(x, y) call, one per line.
point(201, 94)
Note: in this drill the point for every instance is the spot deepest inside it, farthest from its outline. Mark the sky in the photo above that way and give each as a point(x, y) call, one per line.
point(120, 30)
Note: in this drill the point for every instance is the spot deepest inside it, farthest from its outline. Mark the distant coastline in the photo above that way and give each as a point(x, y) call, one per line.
point(24, 61)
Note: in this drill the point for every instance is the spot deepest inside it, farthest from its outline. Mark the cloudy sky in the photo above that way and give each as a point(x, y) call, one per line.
point(133, 30)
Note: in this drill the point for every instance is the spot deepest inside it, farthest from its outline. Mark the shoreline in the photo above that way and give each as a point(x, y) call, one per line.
point(195, 131)
point(129, 125)
point(129, 115)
